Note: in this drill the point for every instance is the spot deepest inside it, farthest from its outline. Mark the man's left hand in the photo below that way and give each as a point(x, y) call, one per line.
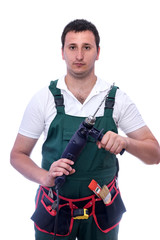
point(112, 142)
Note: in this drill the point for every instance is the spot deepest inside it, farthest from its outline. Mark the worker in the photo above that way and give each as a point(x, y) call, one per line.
point(57, 111)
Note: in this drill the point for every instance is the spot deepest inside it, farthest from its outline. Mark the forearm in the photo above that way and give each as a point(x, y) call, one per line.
point(24, 164)
point(28, 168)
point(21, 161)
point(140, 143)
point(148, 150)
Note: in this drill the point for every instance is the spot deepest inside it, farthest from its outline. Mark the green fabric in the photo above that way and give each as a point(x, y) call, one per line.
point(93, 163)
point(82, 230)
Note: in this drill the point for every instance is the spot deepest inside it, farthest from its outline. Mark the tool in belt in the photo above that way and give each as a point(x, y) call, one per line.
point(71, 210)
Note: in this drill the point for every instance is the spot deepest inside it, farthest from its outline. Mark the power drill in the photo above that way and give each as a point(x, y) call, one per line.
point(78, 142)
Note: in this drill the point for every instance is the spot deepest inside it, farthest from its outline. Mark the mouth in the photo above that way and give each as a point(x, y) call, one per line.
point(79, 64)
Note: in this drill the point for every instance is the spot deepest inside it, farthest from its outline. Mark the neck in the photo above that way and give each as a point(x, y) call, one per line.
point(80, 87)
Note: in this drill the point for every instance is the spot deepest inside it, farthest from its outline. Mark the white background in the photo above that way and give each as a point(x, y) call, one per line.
point(30, 56)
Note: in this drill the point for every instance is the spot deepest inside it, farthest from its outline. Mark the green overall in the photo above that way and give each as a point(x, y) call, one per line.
point(93, 163)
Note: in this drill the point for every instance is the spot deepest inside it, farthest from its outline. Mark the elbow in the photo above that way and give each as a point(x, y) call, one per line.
point(158, 162)
point(152, 157)
point(13, 157)
point(158, 155)
point(151, 161)
point(158, 159)
point(155, 161)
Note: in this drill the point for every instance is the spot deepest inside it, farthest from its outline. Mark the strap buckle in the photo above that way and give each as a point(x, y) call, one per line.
point(59, 101)
point(80, 213)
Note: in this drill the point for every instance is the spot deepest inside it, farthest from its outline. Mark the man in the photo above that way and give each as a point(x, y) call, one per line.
point(58, 111)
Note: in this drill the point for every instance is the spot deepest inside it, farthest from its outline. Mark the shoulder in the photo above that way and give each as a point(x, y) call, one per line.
point(41, 95)
point(126, 113)
point(41, 99)
point(38, 114)
point(122, 98)
point(123, 102)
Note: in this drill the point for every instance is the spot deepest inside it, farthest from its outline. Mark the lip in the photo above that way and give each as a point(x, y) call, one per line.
point(79, 64)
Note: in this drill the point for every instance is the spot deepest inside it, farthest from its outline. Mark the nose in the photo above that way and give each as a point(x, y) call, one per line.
point(80, 55)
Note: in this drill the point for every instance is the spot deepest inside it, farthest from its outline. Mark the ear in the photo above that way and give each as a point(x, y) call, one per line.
point(62, 51)
point(98, 52)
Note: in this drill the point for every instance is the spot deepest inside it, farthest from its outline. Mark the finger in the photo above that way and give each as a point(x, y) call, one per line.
point(109, 145)
point(62, 163)
point(114, 147)
point(65, 160)
point(64, 170)
point(99, 145)
point(112, 142)
point(120, 150)
point(66, 164)
point(118, 145)
point(68, 161)
point(104, 140)
point(56, 174)
point(103, 144)
point(73, 171)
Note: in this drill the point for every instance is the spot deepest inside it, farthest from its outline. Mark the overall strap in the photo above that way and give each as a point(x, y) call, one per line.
point(108, 111)
point(58, 97)
point(110, 101)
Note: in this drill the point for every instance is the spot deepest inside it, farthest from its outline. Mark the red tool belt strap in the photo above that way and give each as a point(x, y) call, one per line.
point(106, 216)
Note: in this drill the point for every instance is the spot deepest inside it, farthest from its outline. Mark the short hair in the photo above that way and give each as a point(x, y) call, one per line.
point(80, 25)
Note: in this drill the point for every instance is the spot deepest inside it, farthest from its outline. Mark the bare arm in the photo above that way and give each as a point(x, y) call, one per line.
point(20, 159)
point(140, 143)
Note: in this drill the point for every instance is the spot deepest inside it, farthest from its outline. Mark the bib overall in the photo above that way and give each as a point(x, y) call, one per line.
point(93, 163)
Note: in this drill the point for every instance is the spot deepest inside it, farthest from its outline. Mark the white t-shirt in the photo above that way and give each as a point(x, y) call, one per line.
point(41, 110)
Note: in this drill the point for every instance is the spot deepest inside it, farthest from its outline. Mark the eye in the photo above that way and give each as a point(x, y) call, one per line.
point(72, 47)
point(87, 47)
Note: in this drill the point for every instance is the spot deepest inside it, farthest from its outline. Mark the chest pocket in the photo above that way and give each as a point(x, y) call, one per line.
point(68, 135)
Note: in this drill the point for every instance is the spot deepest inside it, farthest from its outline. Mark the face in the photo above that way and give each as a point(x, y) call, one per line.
point(80, 53)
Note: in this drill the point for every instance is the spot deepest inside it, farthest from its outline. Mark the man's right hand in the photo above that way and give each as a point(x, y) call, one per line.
point(20, 159)
point(58, 168)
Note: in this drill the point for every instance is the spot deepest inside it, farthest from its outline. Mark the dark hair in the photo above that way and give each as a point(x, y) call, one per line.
point(80, 25)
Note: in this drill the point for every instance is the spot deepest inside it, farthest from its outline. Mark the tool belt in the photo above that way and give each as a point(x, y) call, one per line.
point(106, 216)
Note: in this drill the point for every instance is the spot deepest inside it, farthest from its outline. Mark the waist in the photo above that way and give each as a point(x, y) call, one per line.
point(76, 185)
point(98, 174)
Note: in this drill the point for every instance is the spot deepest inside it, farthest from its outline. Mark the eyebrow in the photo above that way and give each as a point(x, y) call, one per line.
point(86, 44)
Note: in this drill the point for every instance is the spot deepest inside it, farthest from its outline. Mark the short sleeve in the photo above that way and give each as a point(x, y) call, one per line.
point(33, 121)
point(126, 114)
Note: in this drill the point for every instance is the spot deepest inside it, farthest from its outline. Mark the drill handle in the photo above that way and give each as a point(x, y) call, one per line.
point(98, 135)
point(59, 181)
point(73, 150)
